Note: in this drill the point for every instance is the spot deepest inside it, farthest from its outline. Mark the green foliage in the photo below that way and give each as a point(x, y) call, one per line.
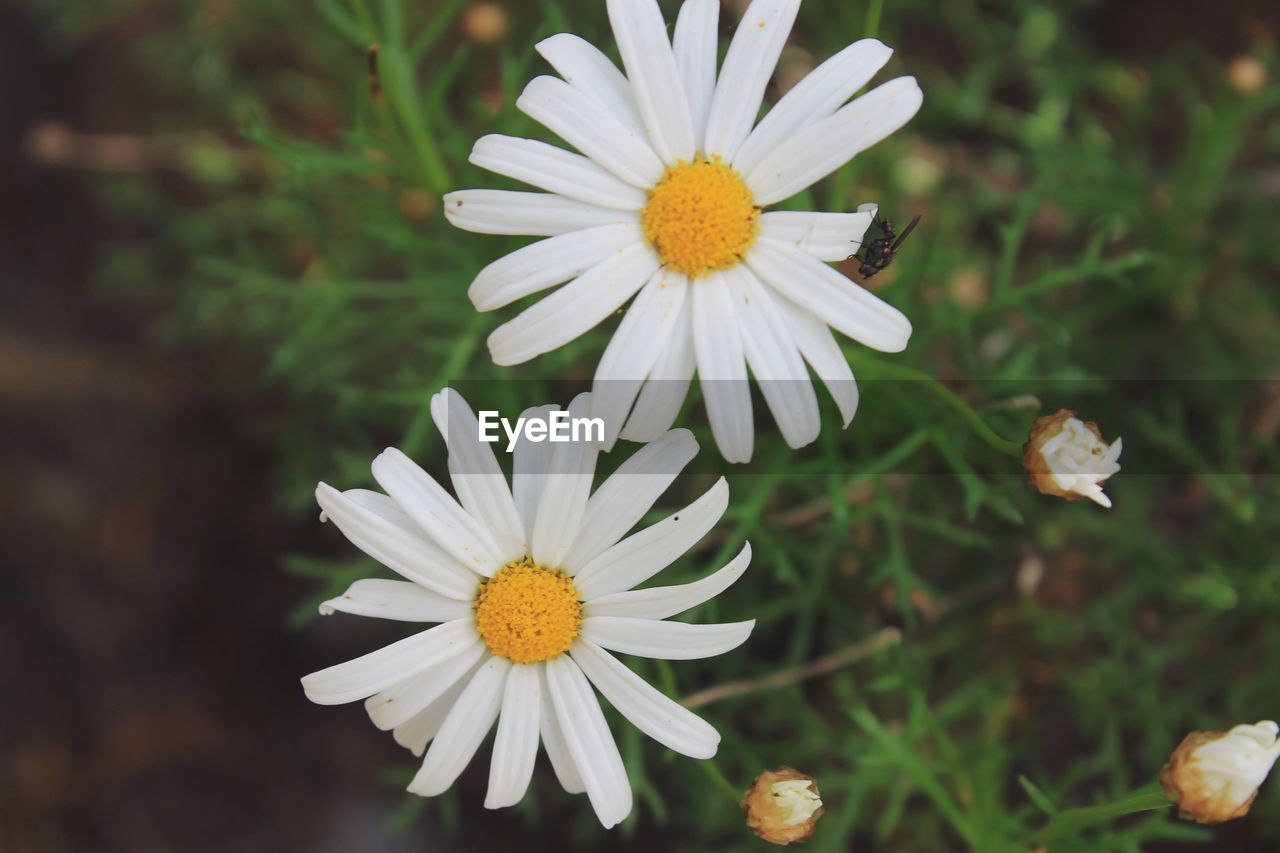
point(1090, 217)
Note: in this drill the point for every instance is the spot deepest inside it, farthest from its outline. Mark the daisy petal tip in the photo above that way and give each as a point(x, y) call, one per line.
point(319, 697)
point(550, 41)
point(721, 490)
point(498, 350)
point(426, 786)
point(390, 456)
point(450, 203)
point(494, 803)
point(481, 300)
point(685, 439)
point(706, 751)
point(900, 336)
point(805, 438)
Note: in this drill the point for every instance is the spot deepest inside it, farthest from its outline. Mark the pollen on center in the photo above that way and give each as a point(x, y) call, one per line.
point(527, 613)
point(701, 217)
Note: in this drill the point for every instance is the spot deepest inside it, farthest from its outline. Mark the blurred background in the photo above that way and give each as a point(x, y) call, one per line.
point(224, 275)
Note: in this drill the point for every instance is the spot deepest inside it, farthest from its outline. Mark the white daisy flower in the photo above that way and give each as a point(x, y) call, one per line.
point(532, 585)
point(666, 200)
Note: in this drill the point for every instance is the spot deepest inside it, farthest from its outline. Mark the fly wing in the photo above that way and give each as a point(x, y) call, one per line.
point(905, 233)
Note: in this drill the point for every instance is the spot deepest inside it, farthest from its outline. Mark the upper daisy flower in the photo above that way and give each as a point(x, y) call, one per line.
point(667, 200)
point(533, 586)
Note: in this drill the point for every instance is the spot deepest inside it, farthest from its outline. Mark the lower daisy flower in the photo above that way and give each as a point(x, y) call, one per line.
point(533, 586)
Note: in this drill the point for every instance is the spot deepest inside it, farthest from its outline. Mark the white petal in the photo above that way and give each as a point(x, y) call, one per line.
point(641, 34)
point(436, 512)
point(825, 236)
point(526, 214)
point(814, 98)
point(382, 505)
point(664, 392)
point(516, 745)
point(846, 306)
point(695, 43)
point(565, 492)
point(575, 308)
point(469, 720)
point(556, 171)
point(587, 737)
point(481, 486)
point(423, 726)
point(402, 701)
point(819, 348)
point(722, 368)
point(774, 360)
point(659, 602)
point(548, 263)
point(366, 675)
point(651, 638)
point(553, 743)
point(811, 154)
point(530, 462)
point(399, 600)
point(407, 552)
point(624, 498)
point(749, 64)
point(635, 347)
point(584, 67)
point(646, 708)
point(642, 555)
point(578, 120)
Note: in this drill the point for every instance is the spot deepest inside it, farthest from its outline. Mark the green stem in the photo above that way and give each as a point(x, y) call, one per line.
point(910, 762)
point(1146, 799)
point(401, 93)
point(718, 778)
point(963, 409)
point(872, 26)
point(416, 434)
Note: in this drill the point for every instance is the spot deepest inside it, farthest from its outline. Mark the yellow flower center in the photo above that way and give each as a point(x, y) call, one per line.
point(700, 217)
point(526, 613)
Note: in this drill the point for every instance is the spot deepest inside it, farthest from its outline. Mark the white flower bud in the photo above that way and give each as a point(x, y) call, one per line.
point(783, 806)
point(1214, 776)
point(1067, 457)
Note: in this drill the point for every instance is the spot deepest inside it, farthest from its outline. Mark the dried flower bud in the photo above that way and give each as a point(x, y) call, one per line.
point(1246, 75)
point(485, 23)
point(783, 805)
point(1067, 457)
point(1214, 776)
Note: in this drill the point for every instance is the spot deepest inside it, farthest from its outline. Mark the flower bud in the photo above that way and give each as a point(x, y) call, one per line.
point(1214, 776)
point(485, 23)
point(1247, 75)
point(1067, 457)
point(783, 805)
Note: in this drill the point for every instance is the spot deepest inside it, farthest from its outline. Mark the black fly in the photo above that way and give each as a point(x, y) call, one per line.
point(880, 252)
